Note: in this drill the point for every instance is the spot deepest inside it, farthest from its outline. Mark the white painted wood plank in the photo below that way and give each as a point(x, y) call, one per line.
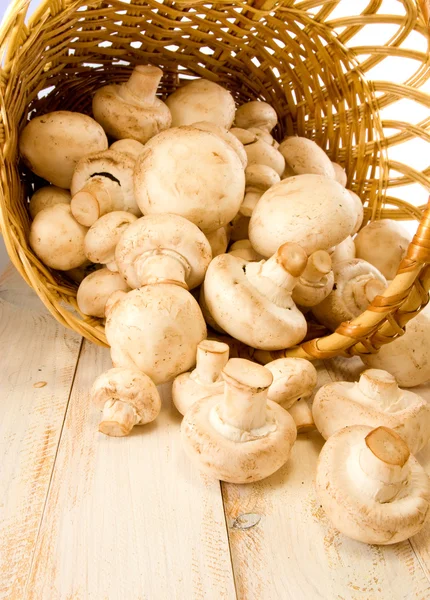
point(37, 364)
point(128, 518)
point(293, 552)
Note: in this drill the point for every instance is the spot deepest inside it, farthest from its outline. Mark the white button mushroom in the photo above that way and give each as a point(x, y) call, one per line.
point(201, 100)
point(163, 248)
point(127, 146)
point(132, 110)
point(303, 156)
point(316, 282)
point(293, 378)
point(48, 196)
point(57, 239)
point(127, 398)
point(252, 301)
point(383, 244)
point(155, 329)
point(103, 183)
point(359, 210)
point(205, 380)
point(356, 284)
point(370, 487)
point(243, 249)
point(258, 179)
point(226, 136)
point(259, 152)
point(311, 210)
point(103, 236)
point(206, 314)
point(51, 145)
point(256, 114)
point(375, 400)
point(343, 251)
point(191, 173)
point(302, 415)
point(408, 356)
point(218, 241)
point(95, 289)
point(265, 136)
point(340, 174)
point(238, 435)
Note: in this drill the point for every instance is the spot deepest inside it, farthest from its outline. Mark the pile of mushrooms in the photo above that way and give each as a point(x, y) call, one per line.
point(178, 212)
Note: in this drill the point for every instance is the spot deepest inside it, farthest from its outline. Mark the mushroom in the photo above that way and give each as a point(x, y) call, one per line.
point(127, 146)
point(127, 398)
point(51, 145)
point(340, 174)
point(259, 152)
point(293, 378)
point(201, 100)
point(383, 244)
point(95, 289)
point(264, 135)
point(370, 487)
point(243, 249)
point(311, 210)
point(225, 135)
point(375, 400)
point(163, 248)
point(252, 301)
point(256, 114)
point(218, 241)
point(317, 280)
point(303, 156)
point(210, 197)
point(258, 179)
point(155, 329)
point(132, 110)
point(408, 356)
point(356, 284)
point(206, 314)
point(47, 196)
point(343, 251)
point(205, 380)
point(359, 211)
point(103, 183)
point(103, 236)
point(238, 435)
point(302, 415)
point(57, 239)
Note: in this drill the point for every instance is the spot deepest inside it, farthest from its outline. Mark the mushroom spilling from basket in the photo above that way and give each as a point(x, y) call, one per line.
point(196, 215)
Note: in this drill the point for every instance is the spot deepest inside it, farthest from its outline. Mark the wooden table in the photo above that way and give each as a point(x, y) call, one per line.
point(85, 516)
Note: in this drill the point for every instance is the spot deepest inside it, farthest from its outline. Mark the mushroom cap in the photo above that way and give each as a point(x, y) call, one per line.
point(57, 239)
point(155, 329)
point(127, 146)
point(218, 241)
point(131, 386)
point(408, 356)
point(358, 205)
point(103, 236)
point(205, 183)
point(357, 283)
point(206, 314)
point(303, 156)
point(383, 244)
point(261, 177)
point(51, 145)
point(293, 378)
point(158, 232)
point(311, 210)
point(264, 135)
point(343, 251)
point(243, 312)
point(243, 249)
point(236, 462)
point(340, 174)
point(117, 165)
point(244, 135)
point(226, 136)
point(360, 517)
point(186, 391)
point(340, 404)
point(126, 116)
point(48, 196)
point(201, 100)
point(95, 289)
point(261, 153)
point(256, 114)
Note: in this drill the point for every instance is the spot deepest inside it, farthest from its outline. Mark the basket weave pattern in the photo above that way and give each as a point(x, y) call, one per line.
point(304, 57)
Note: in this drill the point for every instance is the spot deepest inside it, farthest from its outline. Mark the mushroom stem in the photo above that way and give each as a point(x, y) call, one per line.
point(249, 203)
point(118, 418)
point(318, 266)
point(382, 464)
point(142, 84)
point(380, 387)
point(302, 415)
point(162, 266)
point(95, 199)
point(212, 356)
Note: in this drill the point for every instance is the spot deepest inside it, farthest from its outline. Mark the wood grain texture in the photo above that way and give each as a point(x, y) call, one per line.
point(128, 518)
point(294, 553)
point(38, 360)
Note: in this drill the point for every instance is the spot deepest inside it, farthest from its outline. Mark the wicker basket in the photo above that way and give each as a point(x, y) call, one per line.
point(307, 58)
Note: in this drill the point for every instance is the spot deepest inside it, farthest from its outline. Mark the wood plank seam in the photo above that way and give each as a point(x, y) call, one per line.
point(53, 469)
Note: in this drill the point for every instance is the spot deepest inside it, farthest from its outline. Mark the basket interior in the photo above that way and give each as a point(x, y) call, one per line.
point(305, 58)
